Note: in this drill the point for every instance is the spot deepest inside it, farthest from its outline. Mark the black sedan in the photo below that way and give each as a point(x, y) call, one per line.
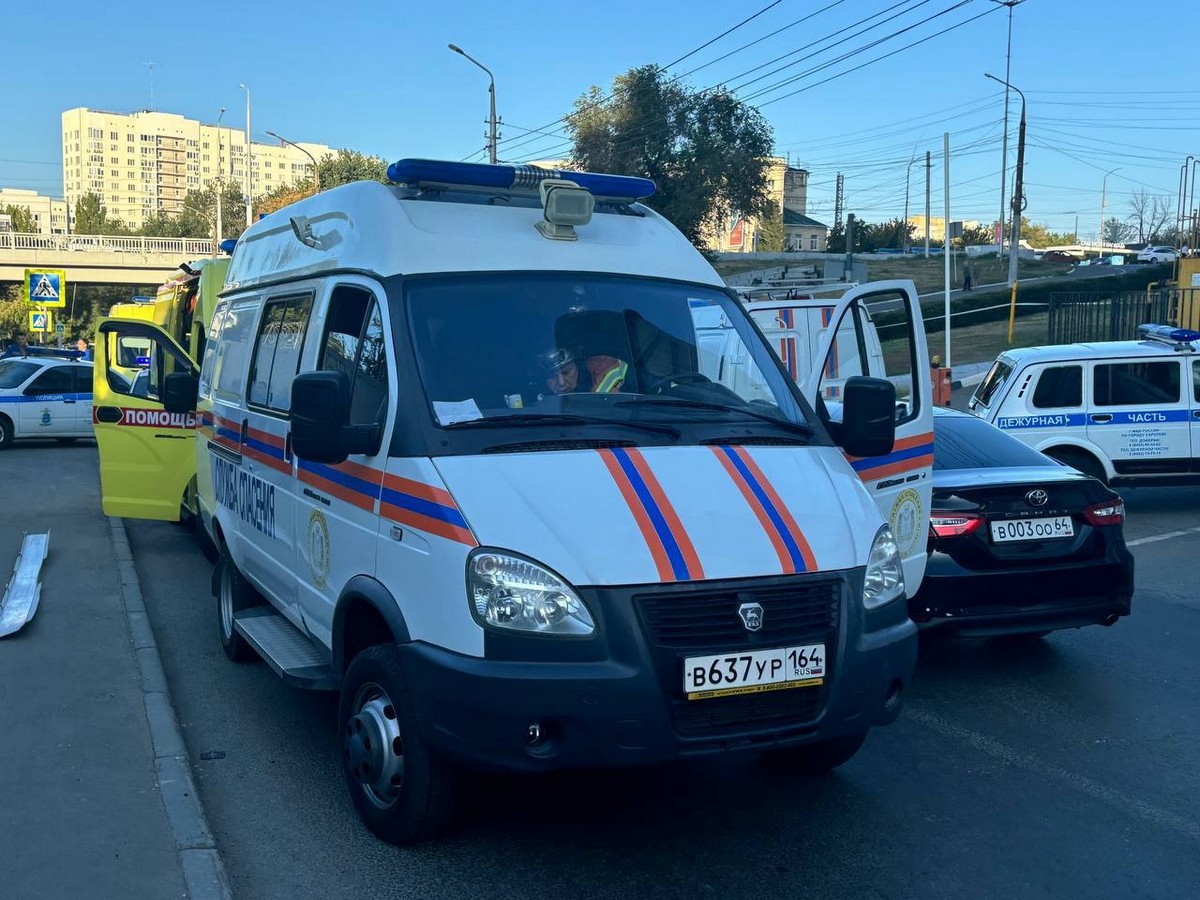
point(1019, 545)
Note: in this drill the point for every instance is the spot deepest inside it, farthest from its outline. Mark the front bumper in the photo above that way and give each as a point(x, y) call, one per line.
point(540, 704)
point(1039, 597)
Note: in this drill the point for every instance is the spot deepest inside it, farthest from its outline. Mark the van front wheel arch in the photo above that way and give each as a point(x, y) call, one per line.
point(1080, 460)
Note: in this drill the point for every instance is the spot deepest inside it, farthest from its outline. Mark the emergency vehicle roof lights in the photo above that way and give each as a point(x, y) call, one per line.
point(525, 178)
point(1168, 334)
point(227, 245)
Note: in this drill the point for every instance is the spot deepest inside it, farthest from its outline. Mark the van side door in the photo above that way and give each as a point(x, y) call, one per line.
point(267, 487)
point(886, 315)
point(1139, 415)
point(147, 455)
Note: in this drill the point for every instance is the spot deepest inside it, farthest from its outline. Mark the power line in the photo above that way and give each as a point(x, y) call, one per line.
point(725, 33)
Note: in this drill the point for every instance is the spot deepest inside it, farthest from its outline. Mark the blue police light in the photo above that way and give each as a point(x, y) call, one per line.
point(1169, 333)
point(227, 245)
point(416, 172)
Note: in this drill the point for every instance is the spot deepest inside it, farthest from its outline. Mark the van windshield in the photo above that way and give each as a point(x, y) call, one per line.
point(584, 349)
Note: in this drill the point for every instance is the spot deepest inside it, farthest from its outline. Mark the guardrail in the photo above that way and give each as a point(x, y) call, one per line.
point(181, 247)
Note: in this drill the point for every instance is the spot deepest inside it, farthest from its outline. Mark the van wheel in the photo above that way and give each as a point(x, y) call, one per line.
point(403, 791)
point(6, 433)
point(233, 594)
point(815, 759)
point(1079, 460)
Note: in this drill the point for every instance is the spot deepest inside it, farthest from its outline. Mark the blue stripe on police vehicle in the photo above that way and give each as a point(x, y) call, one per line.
point(1146, 417)
point(249, 498)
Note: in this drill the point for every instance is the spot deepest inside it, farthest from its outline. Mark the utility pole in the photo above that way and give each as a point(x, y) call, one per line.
point(1018, 205)
point(220, 188)
point(493, 138)
point(838, 200)
point(249, 201)
point(946, 247)
point(848, 270)
point(1103, 200)
point(907, 182)
point(1004, 144)
point(928, 169)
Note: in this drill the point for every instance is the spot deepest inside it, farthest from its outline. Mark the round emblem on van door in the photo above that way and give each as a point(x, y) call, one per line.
point(1037, 497)
point(318, 549)
point(906, 521)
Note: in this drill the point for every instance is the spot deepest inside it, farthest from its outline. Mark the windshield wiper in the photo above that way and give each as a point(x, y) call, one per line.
point(564, 419)
point(794, 427)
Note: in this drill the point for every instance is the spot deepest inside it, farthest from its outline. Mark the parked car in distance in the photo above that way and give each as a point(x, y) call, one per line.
point(1019, 545)
point(1060, 256)
point(1158, 254)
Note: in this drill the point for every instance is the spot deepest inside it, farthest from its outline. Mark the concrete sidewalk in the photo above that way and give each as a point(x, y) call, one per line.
point(81, 809)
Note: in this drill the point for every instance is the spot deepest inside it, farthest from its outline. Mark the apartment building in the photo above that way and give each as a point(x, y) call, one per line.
point(50, 214)
point(146, 162)
point(787, 186)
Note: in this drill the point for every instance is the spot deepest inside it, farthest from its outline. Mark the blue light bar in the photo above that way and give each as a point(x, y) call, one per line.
point(416, 172)
point(1169, 333)
point(227, 245)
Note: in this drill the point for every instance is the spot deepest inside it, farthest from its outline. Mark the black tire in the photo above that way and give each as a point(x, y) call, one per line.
point(815, 759)
point(403, 791)
point(1079, 460)
point(66, 440)
point(232, 593)
point(6, 433)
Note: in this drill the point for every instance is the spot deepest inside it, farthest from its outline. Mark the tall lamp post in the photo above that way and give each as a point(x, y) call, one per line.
point(220, 187)
point(316, 171)
point(492, 124)
point(1103, 199)
point(1004, 148)
point(1018, 204)
point(907, 177)
point(249, 201)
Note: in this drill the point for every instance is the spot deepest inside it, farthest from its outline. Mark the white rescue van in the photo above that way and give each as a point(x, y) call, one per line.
point(468, 461)
point(1126, 412)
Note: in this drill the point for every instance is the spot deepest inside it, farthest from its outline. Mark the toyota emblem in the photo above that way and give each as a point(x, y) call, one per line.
point(1037, 497)
point(751, 615)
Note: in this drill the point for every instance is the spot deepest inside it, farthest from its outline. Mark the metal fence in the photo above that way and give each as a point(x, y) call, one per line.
point(1112, 316)
point(184, 247)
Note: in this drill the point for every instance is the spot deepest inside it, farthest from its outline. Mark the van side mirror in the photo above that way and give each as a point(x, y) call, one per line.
point(868, 426)
point(320, 410)
point(180, 390)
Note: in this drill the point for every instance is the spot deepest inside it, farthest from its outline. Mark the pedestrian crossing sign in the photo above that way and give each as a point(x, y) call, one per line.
point(41, 321)
point(46, 287)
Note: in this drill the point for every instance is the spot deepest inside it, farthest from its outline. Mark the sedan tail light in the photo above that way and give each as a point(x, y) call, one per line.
point(1107, 512)
point(953, 524)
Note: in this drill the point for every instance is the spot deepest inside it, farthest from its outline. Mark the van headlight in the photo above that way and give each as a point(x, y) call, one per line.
point(515, 594)
point(884, 580)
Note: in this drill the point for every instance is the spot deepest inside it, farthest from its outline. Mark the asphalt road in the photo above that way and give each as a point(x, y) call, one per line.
point(1060, 770)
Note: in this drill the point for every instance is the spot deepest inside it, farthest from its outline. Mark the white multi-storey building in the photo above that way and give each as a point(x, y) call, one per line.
point(50, 214)
point(146, 162)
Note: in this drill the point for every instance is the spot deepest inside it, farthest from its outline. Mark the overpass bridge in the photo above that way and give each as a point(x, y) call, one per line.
point(98, 259)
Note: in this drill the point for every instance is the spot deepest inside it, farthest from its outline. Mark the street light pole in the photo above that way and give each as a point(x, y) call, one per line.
point(1004, 143)
point(220, 187)
point(907, 183)
point(316, 172)
point(1103, 199)
point(1018, 195)
point(249, 202)
point(492, 136)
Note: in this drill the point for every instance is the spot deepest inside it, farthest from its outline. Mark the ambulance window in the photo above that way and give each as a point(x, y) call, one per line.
point(277, 351)
point(1059, 387)
point(210, 348)
point(355, 344)
point(1136, 383)
point(229, 363)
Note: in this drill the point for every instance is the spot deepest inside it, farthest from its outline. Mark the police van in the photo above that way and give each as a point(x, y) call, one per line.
point(466, 463)
point(1126, 412)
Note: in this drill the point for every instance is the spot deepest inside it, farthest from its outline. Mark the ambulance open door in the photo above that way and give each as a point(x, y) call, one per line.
point(147, 455)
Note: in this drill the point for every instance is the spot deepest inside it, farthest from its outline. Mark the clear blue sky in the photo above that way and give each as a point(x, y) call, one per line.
point(1104, 80)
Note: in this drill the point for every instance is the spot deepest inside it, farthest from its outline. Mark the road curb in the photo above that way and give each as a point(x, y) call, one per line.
point(203, 872)
point(969, 381)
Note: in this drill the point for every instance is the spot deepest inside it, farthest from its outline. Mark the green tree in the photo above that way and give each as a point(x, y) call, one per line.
point(92, 218)
point(346, 166)
point(1116, 231)
point(978, 235)
point(706, 151)
point(771, 234)
point(884, 236)
point(22, 219)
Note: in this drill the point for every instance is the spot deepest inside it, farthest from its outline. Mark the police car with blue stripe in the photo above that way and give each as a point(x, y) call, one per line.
point(1126, 412)
point(44, 397)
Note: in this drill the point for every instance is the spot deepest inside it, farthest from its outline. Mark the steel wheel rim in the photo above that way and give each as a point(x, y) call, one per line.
point(372, 748)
